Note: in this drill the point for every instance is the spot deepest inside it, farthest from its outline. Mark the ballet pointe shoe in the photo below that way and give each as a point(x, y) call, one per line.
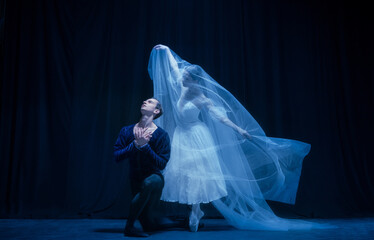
point(194, 220)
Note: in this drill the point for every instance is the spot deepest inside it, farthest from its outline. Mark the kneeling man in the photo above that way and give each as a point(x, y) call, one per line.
point(147, 148)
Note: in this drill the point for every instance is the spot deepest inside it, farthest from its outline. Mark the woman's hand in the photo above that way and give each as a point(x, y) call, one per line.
point(245, 134)
point(160, 46)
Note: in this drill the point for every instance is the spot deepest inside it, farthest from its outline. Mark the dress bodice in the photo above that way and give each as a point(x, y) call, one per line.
point(188, 113)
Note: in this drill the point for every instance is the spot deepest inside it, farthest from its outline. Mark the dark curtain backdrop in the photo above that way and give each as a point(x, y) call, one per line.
point(75, 72)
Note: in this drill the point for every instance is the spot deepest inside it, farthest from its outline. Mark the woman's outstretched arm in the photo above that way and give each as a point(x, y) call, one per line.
point(205, 102)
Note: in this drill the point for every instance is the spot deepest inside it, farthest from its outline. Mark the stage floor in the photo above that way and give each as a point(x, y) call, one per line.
point(215, 229)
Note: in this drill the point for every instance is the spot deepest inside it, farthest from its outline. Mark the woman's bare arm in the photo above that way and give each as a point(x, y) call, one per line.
point(204, 102)
point(173, 62)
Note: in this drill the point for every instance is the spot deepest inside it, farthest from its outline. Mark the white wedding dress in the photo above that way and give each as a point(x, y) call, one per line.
point(193, 174)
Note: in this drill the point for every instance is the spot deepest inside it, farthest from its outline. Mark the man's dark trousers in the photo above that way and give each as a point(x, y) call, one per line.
point(145, 202)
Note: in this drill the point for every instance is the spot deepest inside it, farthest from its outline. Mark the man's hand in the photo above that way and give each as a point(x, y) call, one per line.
point(142, 136)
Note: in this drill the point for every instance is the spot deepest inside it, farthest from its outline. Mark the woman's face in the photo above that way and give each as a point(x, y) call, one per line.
point(188, 81)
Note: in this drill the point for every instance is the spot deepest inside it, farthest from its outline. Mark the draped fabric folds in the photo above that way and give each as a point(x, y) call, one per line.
point(254, 170)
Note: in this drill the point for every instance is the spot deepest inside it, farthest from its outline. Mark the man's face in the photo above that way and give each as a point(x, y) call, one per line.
point(149, 106)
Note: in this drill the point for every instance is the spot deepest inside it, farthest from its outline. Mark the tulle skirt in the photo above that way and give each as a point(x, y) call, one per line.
point(193, 173)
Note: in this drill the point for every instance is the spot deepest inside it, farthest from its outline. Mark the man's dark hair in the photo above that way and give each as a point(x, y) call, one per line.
point(159, 107)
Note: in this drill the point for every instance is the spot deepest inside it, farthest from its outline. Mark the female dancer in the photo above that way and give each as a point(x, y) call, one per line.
point(219, 153)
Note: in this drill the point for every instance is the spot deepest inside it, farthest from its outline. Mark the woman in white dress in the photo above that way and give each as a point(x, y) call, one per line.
point(194, 175)
point(219, 153)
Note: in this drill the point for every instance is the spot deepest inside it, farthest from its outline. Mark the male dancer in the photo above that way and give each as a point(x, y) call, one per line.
point(147, 147)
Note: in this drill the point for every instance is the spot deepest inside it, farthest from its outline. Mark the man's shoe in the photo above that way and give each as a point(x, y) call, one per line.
point(149, 228)
point(133, 232)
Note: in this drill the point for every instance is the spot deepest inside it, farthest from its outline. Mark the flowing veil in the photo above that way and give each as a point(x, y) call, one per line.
point(254, 170)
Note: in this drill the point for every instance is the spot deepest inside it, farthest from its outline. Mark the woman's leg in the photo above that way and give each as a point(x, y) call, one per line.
point(195, 216)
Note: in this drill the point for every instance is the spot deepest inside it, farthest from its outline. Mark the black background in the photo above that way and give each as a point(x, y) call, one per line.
point(75, 72)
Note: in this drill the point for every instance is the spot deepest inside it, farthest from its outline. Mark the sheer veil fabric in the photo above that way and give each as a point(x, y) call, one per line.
point(253, 170)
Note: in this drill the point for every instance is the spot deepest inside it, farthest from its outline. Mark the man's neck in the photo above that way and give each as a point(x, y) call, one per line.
point(146, 122)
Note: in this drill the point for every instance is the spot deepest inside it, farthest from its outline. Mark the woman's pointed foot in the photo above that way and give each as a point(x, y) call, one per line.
point(194, 220)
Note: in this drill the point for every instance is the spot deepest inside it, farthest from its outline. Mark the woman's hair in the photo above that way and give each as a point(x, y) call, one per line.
point(192, 71)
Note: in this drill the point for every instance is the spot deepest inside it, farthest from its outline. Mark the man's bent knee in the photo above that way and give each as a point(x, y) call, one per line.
point(153, 182)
